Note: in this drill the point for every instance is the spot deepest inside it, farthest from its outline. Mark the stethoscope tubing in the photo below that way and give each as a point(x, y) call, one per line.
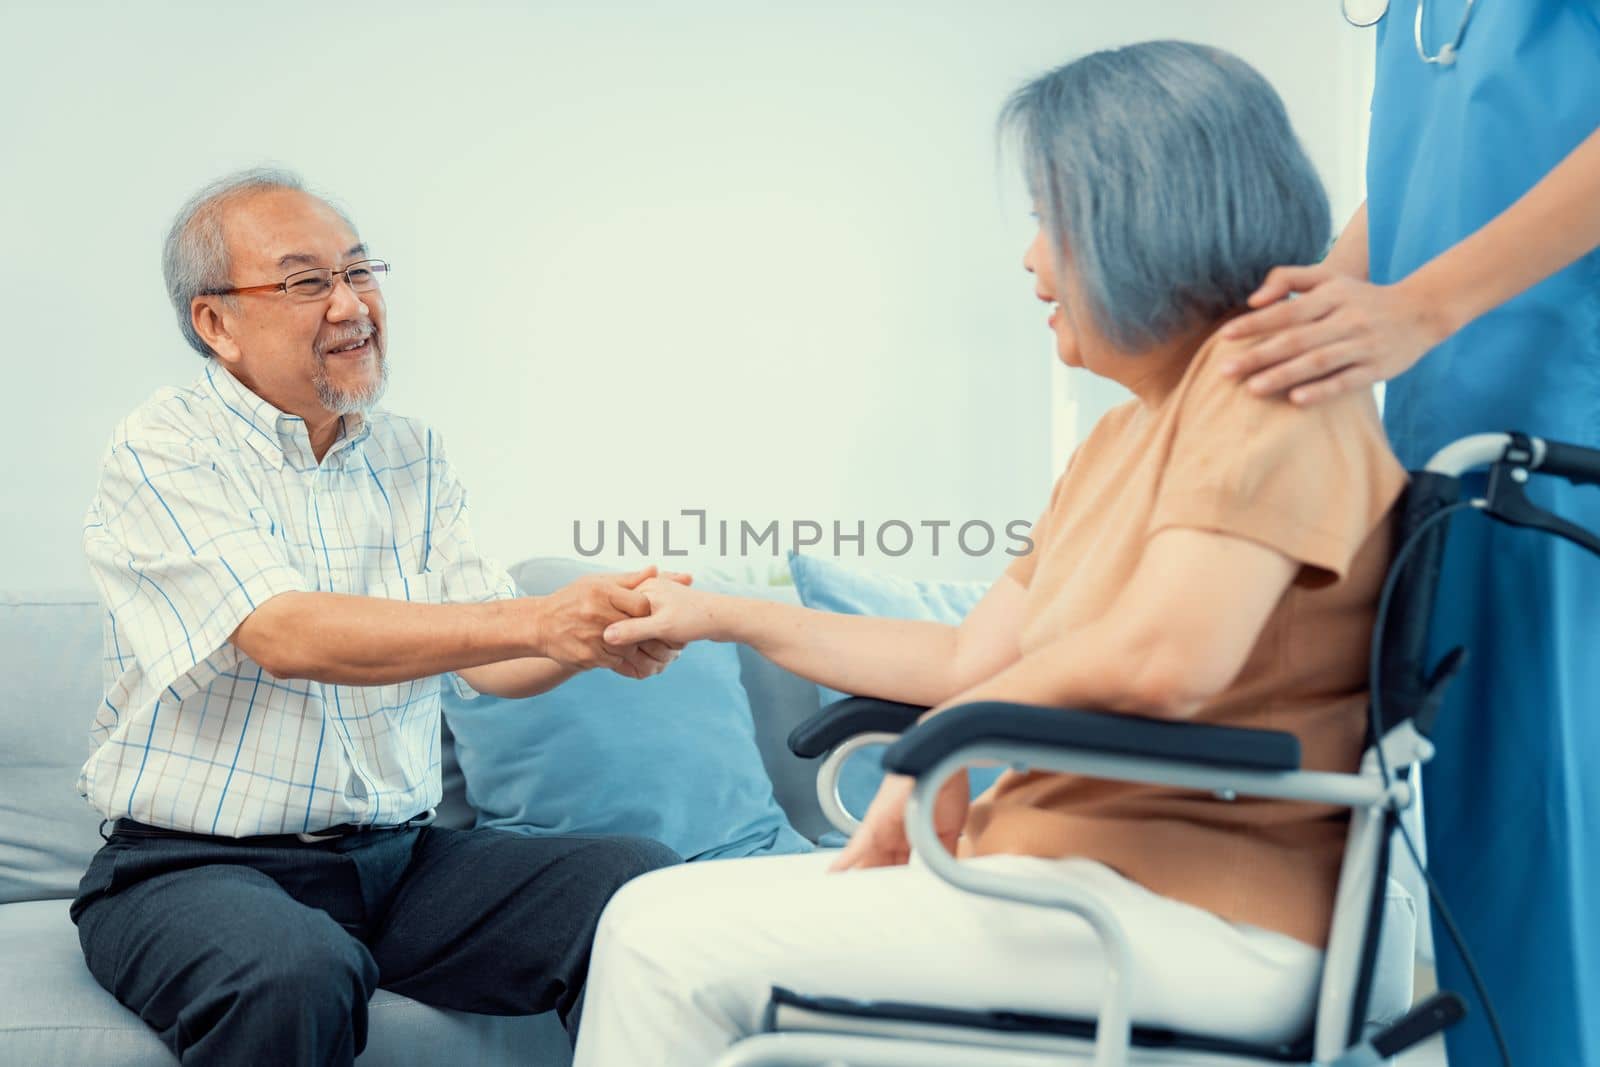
point(1370, 12)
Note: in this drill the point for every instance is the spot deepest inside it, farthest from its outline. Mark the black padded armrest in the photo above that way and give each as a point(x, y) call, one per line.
point(1091, 731)
point(844, 719)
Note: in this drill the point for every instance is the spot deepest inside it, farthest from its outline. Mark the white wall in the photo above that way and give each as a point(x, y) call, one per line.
point(752, 258)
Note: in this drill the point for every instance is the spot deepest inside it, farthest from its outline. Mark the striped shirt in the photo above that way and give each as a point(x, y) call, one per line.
point(210, 502)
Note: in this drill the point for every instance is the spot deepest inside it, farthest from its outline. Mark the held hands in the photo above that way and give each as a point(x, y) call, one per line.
point(677, 615)
point(881, 840)
point(576, 618)
point(1339, 334)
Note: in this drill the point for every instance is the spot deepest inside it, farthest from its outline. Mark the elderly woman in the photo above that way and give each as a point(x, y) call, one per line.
point(1209, 554)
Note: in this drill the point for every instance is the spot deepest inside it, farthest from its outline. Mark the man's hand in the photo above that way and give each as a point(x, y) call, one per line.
point(572, 620)
point(646, 659)
point(575, 619)
point(1339, 333)
point(881, 840)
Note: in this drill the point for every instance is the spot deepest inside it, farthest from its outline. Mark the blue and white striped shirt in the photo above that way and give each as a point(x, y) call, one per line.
point(210, 502)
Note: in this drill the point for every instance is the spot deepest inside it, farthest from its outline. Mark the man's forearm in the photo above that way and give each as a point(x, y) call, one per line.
point(517, 678)
point(356, 640)
point(1547, 229)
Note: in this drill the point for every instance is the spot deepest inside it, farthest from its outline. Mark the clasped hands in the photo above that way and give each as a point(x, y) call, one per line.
point(578, 625)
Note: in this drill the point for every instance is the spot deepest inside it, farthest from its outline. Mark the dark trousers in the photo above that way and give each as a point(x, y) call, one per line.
point(241, 952)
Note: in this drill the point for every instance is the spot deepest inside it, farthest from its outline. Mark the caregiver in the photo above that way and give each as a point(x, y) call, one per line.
point(1470, 281)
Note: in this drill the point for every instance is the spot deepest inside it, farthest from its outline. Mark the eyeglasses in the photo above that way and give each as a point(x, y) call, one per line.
point(362, 276)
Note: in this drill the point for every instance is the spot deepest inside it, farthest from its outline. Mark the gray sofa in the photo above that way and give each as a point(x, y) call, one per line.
point(52, 1012)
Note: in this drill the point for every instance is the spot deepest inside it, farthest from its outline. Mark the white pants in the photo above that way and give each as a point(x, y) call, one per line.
point(685, 958)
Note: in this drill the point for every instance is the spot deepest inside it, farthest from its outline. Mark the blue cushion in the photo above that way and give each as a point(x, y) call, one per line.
point(830, 586)
point(672, 758)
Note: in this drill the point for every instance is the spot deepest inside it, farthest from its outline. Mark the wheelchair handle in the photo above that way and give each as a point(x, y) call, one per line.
point(1578, 465)
point(1575, 463)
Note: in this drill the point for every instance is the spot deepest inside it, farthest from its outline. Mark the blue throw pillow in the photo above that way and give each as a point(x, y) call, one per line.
point(830, 586)
point(672, 757)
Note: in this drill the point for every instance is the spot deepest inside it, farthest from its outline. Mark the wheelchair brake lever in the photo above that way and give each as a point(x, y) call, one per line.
point(1443, 1009)
point(1508, 502)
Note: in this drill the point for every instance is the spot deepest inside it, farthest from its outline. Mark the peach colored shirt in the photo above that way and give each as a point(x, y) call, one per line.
point(1316, 485)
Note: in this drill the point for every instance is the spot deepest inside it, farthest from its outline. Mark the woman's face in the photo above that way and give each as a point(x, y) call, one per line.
point(1147, 372)
point(1040, 262)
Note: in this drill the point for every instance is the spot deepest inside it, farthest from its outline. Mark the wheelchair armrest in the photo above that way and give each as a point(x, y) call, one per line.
point(844, 719)
point(923, 746)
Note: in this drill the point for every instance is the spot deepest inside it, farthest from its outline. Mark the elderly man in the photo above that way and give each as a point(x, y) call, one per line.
point(286, 573)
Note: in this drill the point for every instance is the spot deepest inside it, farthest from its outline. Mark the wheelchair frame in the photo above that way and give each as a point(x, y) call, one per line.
point(1105, 745)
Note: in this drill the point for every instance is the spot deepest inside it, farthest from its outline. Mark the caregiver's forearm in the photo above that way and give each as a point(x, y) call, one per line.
point(1349, 254)
point(1547, 229)
point(893, 659)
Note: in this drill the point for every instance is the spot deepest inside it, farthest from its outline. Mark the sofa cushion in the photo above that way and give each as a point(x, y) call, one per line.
point(56, 1013)
point(832, 586)
point(672, 757)
point(779, 700)
point(50, 658)
point(454, 809)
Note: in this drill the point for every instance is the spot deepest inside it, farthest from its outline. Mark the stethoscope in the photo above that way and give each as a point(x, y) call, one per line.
point(1368, 12)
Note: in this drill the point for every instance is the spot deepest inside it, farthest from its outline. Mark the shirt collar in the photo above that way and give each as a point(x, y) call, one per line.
point(279, 436)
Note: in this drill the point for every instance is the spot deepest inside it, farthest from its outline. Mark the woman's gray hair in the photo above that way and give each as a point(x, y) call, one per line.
point(194, 258)
point(1168, 175)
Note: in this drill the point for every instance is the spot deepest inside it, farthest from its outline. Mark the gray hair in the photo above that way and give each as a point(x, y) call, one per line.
point(194, 258)
point(1170, 174)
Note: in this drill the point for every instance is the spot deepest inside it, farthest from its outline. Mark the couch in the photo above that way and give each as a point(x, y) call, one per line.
point(52, 1012)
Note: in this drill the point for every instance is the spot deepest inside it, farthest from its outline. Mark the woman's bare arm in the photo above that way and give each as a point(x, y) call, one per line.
point(1177, 636)
point(893, 659)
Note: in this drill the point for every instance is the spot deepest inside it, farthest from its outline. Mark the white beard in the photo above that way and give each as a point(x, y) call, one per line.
point(342, 402)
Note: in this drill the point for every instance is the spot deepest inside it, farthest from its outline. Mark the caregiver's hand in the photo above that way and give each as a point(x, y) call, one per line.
point(678, 615)
point(881, 840)
point(1339, 334)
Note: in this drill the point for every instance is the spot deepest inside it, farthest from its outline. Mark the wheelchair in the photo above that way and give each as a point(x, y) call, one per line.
point(1229, 762)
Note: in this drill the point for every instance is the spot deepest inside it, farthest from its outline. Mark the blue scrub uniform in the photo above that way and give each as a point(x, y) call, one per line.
point(1514, 794)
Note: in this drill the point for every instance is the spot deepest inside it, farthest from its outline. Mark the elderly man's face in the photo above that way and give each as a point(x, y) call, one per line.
point(313, 358)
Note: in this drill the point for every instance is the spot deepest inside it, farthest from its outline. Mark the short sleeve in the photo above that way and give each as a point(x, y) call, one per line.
point(1312, 483)
point(466, 575)
point(1022, 568)
point(181, 555)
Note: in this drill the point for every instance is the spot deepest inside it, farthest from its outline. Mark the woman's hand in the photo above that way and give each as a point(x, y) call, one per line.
point(678, 615)
point(1339, 334)
point(881, 840)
